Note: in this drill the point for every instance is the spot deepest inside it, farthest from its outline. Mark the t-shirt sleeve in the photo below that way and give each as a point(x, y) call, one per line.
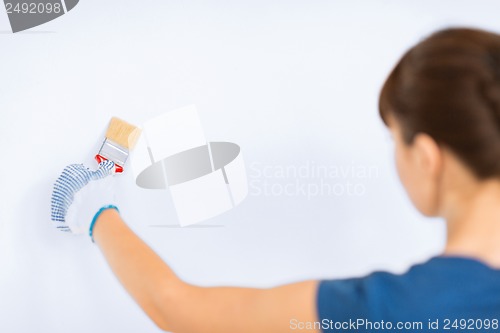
point(347, 300)
point(340, 300)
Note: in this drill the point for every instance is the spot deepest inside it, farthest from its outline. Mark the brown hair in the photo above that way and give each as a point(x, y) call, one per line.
point(448, 86)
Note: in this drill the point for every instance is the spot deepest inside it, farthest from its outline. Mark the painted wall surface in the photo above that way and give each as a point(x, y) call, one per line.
point(294, 83)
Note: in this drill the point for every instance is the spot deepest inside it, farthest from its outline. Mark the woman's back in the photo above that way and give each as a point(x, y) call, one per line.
point(444, 293)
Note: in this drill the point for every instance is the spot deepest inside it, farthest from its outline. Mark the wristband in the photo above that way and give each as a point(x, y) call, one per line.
point(99, 212)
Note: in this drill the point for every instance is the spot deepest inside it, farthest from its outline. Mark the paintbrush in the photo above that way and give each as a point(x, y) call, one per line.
point(120, 140)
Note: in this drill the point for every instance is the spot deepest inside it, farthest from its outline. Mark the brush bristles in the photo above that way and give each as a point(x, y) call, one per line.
point(123, 133)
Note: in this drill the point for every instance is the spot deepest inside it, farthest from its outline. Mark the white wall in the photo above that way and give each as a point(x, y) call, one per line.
point(292, 82)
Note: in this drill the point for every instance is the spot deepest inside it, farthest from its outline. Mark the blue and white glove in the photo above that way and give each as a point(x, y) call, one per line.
point(80, 195)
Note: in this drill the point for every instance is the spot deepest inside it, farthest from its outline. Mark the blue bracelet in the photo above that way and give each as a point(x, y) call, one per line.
point(91, 228)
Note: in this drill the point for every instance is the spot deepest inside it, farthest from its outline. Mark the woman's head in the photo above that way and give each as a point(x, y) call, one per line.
point(442, 102)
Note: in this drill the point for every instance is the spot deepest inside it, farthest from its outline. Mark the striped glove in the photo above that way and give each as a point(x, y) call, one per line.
point(80, 195)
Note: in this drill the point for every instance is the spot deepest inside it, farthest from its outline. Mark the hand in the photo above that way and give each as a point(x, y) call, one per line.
point(80, 195)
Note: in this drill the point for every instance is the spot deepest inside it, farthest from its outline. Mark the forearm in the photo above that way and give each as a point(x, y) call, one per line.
point(175, 305)
point(140, 270)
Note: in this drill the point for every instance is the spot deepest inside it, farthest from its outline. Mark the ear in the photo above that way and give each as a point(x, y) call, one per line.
point(428, 155)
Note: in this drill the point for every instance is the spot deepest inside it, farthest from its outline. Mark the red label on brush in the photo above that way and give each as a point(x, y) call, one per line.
point(100, 159)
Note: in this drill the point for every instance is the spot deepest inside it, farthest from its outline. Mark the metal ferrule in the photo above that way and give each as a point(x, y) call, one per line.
point(114, 152)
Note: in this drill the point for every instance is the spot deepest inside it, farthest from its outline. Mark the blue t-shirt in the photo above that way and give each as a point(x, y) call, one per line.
point(444, 294)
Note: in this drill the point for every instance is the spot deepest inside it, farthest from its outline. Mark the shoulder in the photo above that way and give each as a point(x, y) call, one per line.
point(442, 287)
point(378, 293)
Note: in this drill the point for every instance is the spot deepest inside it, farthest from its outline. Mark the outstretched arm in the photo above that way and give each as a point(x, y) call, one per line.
point(83, 201)
point(183, 308)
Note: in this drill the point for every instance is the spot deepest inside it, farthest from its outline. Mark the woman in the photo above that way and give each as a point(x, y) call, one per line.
point(442, 105)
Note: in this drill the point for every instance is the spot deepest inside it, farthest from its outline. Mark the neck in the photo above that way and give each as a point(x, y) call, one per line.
point(474, 227)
